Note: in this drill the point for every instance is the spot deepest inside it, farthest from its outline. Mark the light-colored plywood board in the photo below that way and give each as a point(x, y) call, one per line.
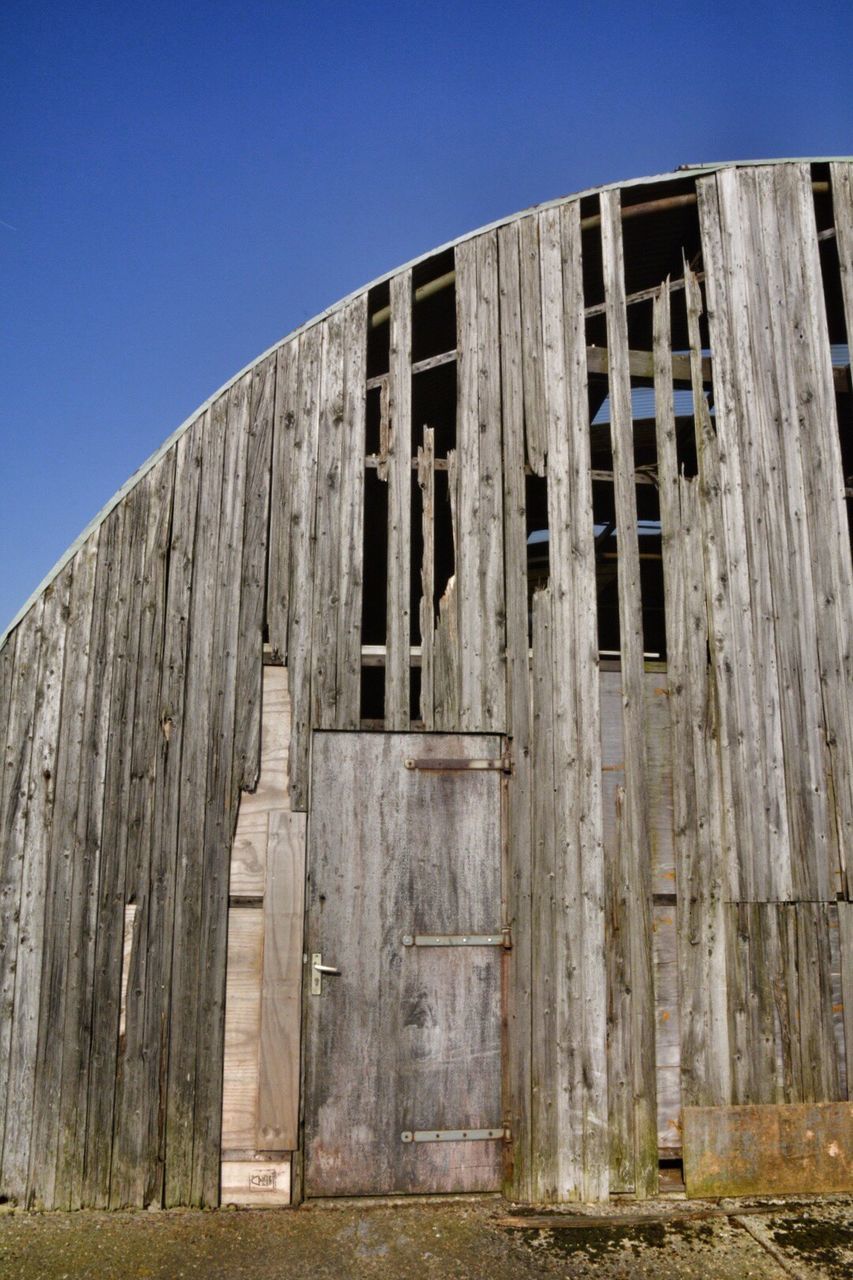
point(242, 1027)
point(259, 1184)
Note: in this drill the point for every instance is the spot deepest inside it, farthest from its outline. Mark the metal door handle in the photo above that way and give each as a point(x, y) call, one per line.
point(317, 971)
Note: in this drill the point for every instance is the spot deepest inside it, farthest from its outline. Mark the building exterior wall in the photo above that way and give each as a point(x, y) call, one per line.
point(130, 691)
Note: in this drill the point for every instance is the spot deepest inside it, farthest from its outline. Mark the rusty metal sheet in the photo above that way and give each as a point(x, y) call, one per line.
point(758, 1150)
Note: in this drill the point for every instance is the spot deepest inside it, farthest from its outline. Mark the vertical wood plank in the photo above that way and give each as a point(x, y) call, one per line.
point(284, 514)
point(18, 746)
point(350, 571)
point(221, 794)
point(69, 752)
point(40, 793)
point(247, 737)
point(491, 712)
point(76, 1030)
point(130, 1172)
point(535, 422)
point(586, 683)
point(327, 528)
point(722, 477)
point(278, 1092)
point(467, 539)
point(196, 747)
point(845, 929)
point(635, 856)
point(519, 995)
point(303, 486)
point(398, 600)
point(426, 483)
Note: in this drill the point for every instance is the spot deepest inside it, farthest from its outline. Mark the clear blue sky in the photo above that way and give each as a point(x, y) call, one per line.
point(183, 184)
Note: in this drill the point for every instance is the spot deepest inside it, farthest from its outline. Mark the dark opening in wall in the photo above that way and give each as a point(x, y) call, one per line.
point(372, 421)
point(651, 571)
point(434, 405)
point(378, 335)
point(606, 568)
point(443, 533)
point(434, 311)
point(375, 558)
point(538, 542)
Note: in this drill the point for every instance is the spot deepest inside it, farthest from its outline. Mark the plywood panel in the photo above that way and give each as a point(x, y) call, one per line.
point(242, 1027)
point(259, 1184)
point(768, 1150)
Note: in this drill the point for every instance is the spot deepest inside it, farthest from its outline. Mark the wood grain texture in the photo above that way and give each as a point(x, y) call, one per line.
point(404, 1038)
point(241, 1069)
point(287, 456)
point(519, 1079)
point(634, 1156)
point(763, 1150)
point(426, 484)
point(398, 593)
point(278, 1091)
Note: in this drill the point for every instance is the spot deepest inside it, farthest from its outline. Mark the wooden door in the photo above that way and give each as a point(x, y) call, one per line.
point(407, 1038)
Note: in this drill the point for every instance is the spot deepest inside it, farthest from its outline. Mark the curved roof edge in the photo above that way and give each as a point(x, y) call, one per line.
point(683, 171)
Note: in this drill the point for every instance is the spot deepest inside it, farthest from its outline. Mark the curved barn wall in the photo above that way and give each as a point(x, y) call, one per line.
point(131, 691)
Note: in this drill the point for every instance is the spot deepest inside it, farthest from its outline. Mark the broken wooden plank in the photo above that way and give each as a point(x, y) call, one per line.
point(768, 1150)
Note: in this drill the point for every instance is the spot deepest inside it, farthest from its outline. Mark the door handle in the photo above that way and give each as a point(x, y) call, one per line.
point(317, 971)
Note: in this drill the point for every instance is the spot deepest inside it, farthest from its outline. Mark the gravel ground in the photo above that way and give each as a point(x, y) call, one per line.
point(434, 1240)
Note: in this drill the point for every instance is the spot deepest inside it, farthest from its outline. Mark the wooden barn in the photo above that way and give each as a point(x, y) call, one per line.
point(433, 770)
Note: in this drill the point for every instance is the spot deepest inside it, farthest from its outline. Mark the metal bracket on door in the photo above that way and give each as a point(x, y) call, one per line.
point(500, 938)
point(447, 764)
point(454, 1135)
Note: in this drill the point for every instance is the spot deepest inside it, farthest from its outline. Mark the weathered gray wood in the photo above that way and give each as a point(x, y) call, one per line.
point(18, 744)
point(23, 1048)
point(424, 1022)
point(722, 475)
point(398, 601)
point(519, 1081)
point(198, 706)
point(813, 856)
point(69, 753)
point(845, 928)
point(492, 703)
point(130, 1173)
point(832, 575)
point(535, 423)
point(545, 1043)
point(350, 572)
point(287, 455)
point(327, 529)
point(222, 791)
point(279, 1050)
point(116, 837)
point(303, 485)
point(589, 812)
point(426, 483)
point(467, 534)
point(247, 738)
point(633, 900)
point(699, 869)
point(76, 1030)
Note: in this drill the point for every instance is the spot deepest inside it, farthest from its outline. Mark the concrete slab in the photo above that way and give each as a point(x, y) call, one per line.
point(429, 1240)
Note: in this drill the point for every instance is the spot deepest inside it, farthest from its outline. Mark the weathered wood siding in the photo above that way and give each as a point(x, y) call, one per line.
point(678, 840)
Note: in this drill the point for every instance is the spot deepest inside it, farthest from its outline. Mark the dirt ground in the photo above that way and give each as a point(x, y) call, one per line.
point(484, 1239)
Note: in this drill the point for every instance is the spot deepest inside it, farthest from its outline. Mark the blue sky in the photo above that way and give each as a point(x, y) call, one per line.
point(183, 184)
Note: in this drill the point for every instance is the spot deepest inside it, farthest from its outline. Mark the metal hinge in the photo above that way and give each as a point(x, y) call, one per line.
point(501, 938)
point(454, 764)
point(455, 1135)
